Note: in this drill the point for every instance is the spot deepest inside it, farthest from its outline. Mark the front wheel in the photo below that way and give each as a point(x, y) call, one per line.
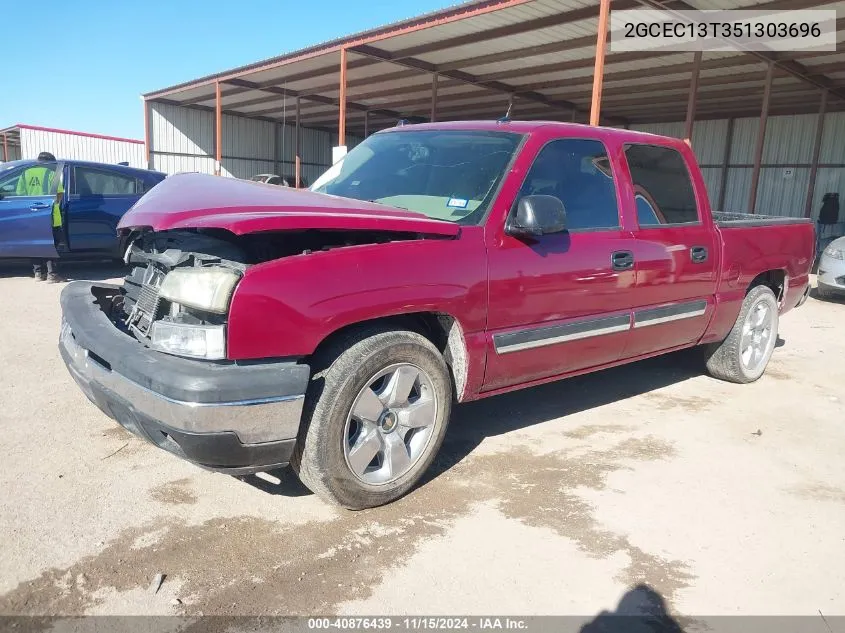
point(743, 356)
point(375, 417)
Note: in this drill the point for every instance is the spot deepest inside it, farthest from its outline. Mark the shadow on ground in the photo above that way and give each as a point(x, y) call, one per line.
point(474, 421)
point(641, 610)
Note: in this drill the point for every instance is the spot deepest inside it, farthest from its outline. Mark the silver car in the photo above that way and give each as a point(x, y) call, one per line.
point(831, 278)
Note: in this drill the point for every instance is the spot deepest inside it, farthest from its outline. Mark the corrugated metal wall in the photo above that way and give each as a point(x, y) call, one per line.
point(787, 155)
point(79, 147)
point(13, 150)
point(182, 139)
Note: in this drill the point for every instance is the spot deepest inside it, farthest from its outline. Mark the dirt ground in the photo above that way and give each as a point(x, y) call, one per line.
point(724, 499)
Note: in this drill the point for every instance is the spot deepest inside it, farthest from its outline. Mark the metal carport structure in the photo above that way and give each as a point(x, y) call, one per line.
point(472, 60)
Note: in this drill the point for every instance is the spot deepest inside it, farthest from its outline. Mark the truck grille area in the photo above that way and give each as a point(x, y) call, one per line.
point(141, 301)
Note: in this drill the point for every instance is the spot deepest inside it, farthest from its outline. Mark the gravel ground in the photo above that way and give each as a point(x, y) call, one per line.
point(724, 499)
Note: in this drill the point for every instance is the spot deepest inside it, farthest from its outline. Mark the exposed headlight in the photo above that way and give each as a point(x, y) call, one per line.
point(209, 288)
point(196, 341)
point(835, 253)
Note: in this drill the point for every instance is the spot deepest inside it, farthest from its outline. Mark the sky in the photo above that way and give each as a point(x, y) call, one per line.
point(87, 70)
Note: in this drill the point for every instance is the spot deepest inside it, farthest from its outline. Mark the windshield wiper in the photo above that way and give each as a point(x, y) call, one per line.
point(384, 204)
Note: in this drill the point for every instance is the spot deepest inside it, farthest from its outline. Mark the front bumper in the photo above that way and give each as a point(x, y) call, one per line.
point(831, 275)
point(224, 416)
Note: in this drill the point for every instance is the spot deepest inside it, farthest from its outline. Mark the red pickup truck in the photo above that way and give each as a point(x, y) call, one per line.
point(333, 329)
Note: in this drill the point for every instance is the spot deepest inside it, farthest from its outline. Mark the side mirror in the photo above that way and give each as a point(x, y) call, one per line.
point(537, 215)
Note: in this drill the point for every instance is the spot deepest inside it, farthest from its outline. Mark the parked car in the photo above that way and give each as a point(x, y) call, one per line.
point(452, 261)
point(284, 181)
point(831, 272)
point(96, 197)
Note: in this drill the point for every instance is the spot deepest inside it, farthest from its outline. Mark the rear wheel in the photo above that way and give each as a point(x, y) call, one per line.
point(743, 356)
point(375, 417)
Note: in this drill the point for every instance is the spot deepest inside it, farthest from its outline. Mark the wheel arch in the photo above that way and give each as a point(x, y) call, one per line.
point(776, 279)
point(442, 329)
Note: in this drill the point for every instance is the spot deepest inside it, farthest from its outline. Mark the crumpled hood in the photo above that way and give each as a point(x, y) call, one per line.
point(200, 201)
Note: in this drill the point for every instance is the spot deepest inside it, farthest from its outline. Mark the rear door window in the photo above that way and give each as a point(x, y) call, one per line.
point(90, 181)
point(663, 190)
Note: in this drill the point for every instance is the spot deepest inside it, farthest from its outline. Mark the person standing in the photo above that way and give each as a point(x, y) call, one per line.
point(37, 180)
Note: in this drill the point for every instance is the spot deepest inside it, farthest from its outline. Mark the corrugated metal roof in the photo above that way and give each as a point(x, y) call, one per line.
point(485, 50)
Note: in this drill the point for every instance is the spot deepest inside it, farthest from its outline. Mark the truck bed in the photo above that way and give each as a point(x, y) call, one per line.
point(726, 219)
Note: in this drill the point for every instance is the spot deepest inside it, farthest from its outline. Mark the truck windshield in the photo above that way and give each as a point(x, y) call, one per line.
point(443, 174)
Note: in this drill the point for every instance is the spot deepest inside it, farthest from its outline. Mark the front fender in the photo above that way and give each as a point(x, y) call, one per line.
point(286, 307)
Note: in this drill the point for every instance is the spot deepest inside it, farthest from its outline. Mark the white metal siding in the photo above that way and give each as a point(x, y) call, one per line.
point(737, 190)
point(828, 180)
point(744, 140)
point(789, 139)
point(708, 141)
point(80, 147)
point(833, 141)
point(777, 195)
point(712, 180)
point(182, 139)
point(789, 142)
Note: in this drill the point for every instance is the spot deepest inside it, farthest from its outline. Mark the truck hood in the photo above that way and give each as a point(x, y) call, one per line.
point(200, 201)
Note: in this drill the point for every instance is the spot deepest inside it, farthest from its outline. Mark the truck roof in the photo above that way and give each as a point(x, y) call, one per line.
point(527, 127)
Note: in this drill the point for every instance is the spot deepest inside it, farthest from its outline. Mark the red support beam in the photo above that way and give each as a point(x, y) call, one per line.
point(366, 123)
point(341, 123)
point(5, 149)
point(723, 178)
point(433, 116)
point(146, 134)
point(598, 69)
point(296, 145)
point(817, 148)
point(693, 95)
point(761, 138)
point(218, 140)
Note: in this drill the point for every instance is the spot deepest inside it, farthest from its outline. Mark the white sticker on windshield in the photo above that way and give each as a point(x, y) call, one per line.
point(457, 203)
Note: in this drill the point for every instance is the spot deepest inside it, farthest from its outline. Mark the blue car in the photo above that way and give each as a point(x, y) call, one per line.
point(96, 195)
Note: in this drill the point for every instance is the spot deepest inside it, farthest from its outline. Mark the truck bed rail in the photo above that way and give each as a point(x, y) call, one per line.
point(725, 219)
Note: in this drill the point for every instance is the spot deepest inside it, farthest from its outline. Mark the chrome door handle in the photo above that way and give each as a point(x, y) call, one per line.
point(698, 254)
point(622, 260)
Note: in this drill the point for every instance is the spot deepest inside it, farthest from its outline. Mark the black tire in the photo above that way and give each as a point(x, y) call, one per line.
point(724, 360)
point(346, 369)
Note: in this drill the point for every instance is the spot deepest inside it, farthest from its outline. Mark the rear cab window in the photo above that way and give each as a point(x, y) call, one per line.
point(663, 191)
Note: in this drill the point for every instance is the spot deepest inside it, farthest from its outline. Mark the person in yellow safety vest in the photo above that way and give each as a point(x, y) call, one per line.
point(38, 181)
